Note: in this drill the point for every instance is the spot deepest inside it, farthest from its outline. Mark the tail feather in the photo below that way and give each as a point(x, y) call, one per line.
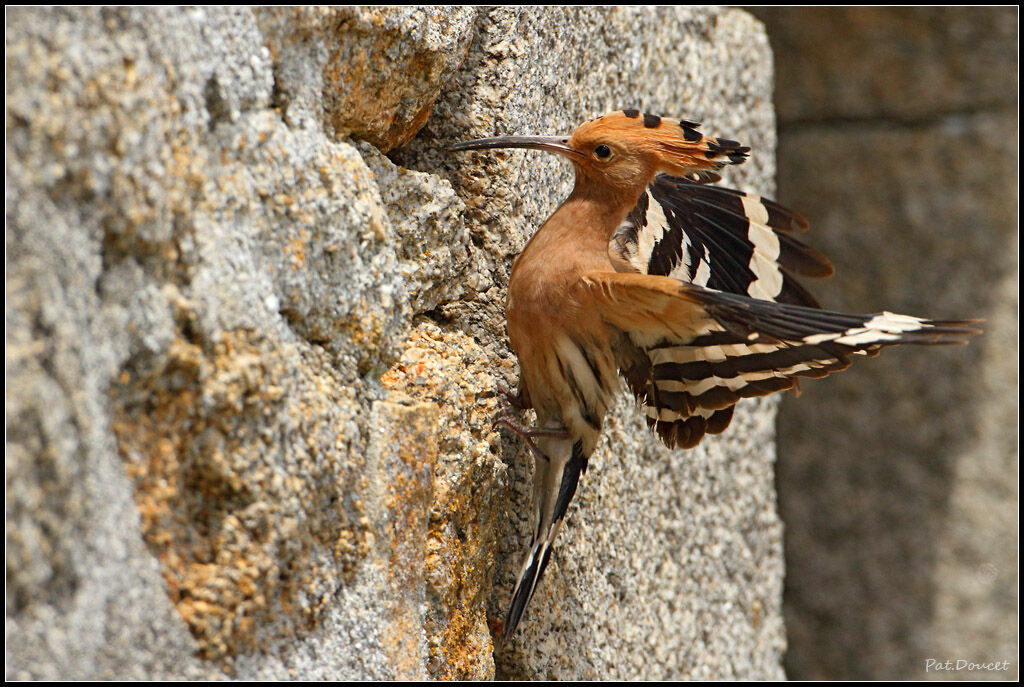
point(555, 485)
point(526, 584)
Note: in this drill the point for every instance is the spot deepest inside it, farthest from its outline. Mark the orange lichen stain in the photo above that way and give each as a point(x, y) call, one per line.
point(296, 249)
point(188, 429)
point(357, 99)
point(409, 448)
point(463, 565)
point(450, 370)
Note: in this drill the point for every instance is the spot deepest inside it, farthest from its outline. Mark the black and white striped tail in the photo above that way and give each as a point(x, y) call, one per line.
point(754, 347)
point(555, 483)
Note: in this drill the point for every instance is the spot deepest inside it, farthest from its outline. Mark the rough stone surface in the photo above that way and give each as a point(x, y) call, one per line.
point(369, 72)
point(251, 362)
point(898, 478)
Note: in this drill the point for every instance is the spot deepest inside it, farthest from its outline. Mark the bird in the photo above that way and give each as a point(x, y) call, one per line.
point(651, 272)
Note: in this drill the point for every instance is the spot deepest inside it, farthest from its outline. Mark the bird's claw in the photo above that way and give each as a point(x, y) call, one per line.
point(527, 434)
point(530, 432)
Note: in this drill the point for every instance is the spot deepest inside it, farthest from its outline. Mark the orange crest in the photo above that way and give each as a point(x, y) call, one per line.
point(675, 145)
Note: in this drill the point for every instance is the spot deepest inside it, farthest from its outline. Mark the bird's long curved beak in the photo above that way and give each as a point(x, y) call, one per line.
point(552, 144)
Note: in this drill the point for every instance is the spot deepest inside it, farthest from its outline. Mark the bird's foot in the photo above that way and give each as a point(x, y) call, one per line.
point(527, 434)
point(530, 432)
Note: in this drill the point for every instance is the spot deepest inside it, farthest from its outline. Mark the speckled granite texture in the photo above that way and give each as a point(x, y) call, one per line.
point(251, 359)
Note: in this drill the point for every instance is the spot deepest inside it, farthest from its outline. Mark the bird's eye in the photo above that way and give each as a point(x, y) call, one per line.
point(603, 152)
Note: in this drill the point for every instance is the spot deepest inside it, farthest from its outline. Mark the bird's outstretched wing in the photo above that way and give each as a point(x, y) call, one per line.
point(720, 238)
point(705, 349)
point(717, 237)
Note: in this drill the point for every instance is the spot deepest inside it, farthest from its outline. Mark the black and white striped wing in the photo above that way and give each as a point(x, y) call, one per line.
point(704, 350)
point(717, 237)
point(723, 239)
point(756, 348)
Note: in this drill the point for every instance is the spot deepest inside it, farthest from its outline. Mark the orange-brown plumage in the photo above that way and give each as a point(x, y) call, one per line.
point(683, 288)
point(548, 301)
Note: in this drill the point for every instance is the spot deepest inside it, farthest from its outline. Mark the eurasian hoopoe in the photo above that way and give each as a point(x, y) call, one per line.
point(684, 288)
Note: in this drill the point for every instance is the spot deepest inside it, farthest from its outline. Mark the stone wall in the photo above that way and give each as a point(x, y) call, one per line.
point(254, 328)
point(898, 138)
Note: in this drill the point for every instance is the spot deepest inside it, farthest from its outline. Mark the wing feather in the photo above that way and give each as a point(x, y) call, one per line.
point(707, 349)
point(743, 241)
point(723, 239)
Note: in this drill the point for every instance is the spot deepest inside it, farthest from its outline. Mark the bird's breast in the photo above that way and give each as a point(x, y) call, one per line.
point(565, 355)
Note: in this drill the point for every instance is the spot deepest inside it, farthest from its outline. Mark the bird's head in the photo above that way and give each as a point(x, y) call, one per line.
point(624, 150)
